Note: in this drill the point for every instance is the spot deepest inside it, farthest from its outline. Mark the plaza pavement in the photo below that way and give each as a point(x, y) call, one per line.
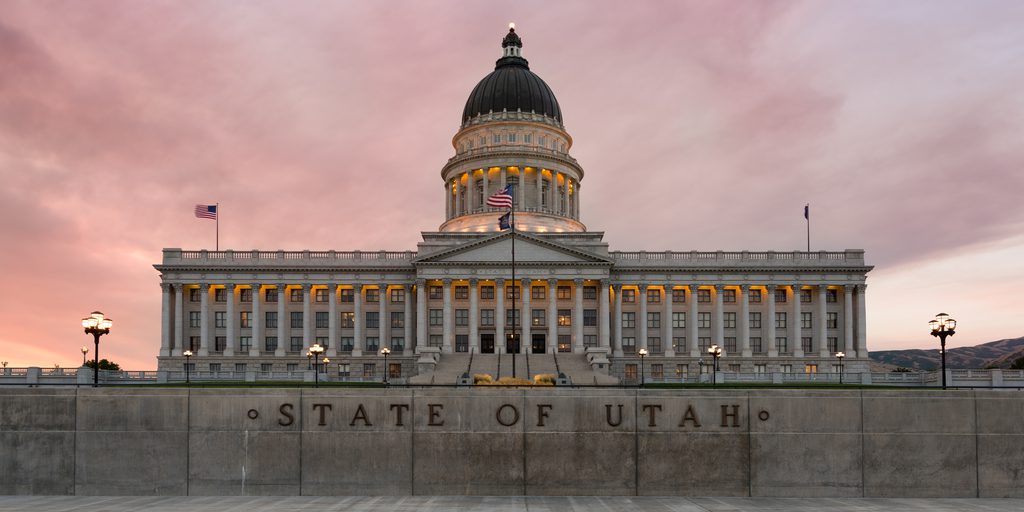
point(496, 504)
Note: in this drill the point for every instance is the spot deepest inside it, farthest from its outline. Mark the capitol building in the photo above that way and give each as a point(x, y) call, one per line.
point(571, 302)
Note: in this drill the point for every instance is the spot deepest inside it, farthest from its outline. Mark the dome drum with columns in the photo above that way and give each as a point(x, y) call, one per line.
point(576, 306)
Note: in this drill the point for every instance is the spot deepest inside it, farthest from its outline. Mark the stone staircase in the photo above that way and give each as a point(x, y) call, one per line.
point(451, 367)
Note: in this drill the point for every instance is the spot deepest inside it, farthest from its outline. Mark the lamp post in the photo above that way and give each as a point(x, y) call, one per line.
point(96, 325)
point(188, 368)
point(309, 360)
point(314, 353)
point(715, 352)
point(943, 326)
point(325, 361)
point(85, 350)
point(643, 353)
point(385, 351)
point(840, 356)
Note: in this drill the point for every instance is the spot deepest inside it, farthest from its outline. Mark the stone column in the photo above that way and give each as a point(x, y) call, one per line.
point(179, 319)
point(794, 326)
point(458, 195)
point(862, 322)
point(204, 319)
point(487, 193)
point(768, 329)
point(474, 316)
point(499, 313)
point(540, 188)
point(229, 312)
point(642, 321)
point(848, 320)
point(666, 322)
point(526, 343)
point(407, 334)
point(521, 193)
point(503, 175)
point(719, 322)
point(470, 198)
point(577, 322)
point(617, 349)
point(165, 319)
point(553, 314)
point(282, 322)
point(602, 313)
point(691, 321)
point(576, 202)
point(448, 335)
point(307, 324)
point(332, 321)
point(565, 198)
point(421, 313)
point(384, 323)
point(357, 325)
point(822, 334)
point(745, 321)
point(553, 193)
point(448, 200)
point(257, 322)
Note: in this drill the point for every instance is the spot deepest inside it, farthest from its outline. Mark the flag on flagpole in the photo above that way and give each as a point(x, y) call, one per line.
point(501, 198)
point(206, 211)
point(504, 222)
point(807, 211)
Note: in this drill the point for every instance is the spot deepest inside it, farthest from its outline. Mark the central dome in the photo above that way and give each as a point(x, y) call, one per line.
point(512, 87)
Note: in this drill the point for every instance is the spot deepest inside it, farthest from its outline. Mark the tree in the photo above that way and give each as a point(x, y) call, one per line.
point(1017, 364)
point(104, 365)
point(901, 370)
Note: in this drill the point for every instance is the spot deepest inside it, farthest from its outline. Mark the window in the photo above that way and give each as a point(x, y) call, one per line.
point(654, 345)
point(537, 318)
point(323, 319)
point(323, 341)
point(805, 296)
point(397, 343)
point(512, 137)
point(653, 319)
point(628, 319)
point(628, 296)
point(564, 343)
point(528, 138)
point(194, 320)
point(760, 369)
point(679, 343)
point(833, 344)
point(780, 320)
point(245, 319)
point(496, 138)
point(703, 296)
point(271, 318)
point(398, 295)
point(436, 292)
point(220, 343)
point(270, 342)
point(487, 317)
point(564, 292)
point(487, 292)
point(512, 292)
point(462, 317)
point(369, 370)
point(320, 295)
point(537, 292)
point(729, 320)
point(754, 296)
point(348, 320)
point(214, 367)
point(239, 367)
point(831, 295)
point(245, 343)
point(462, 343)
point(806, 344)
point(833, 320)
point(296, 319)
point(704, 320)
point(220, 295)
point(270, 295)
point(682, 371)
point(372, 319)
point(589, 293)
point(678, 320)
point(512, 317)
point(805, 320)
point(629, 345)
point(436, 340)
point(395, 370)
point(729, 296)
point(589, 318)
point(398, 319)
point(266, 367)
point(436, 317)
point(295, 295)
point(372, 295)
point(629, 371)
point(193, 295)
point(193, 343)
point(245, 295)
point(292, 367)
point(344, 369)
point(755, 320)
point(782, 344)
point(755, 345)
point(730, 344)
point(462, 292)
point(780, 296)
point(679, 296)
point(653, 296)
point(786, 368)
point(657, 371)
point(810, 368)
point(296, 344)
point(220, 320)
point(734, 368)
point(346, 343)
point(564, 317)
point(348, 295)
point(589, 340)
point(703, 344)
point(372, 344)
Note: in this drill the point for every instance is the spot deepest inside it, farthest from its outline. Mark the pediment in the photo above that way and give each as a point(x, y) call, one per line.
point(498, 250)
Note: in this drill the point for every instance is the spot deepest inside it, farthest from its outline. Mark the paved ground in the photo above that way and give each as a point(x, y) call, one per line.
point(498, 504)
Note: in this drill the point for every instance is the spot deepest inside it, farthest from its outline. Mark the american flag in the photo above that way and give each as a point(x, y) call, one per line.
point(206, 211)
point(501, 198)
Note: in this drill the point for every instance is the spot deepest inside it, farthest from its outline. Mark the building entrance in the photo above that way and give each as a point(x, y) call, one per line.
point(538, 343)
point(512, 343)
point(487, 343)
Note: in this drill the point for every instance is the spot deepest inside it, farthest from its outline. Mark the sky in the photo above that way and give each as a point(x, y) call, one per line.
point(324, 125)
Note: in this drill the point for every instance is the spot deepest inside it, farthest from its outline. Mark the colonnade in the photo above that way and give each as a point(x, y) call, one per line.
point(559, 197)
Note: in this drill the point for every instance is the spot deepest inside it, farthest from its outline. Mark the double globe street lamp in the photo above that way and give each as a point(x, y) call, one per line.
point(385, 351)
point(97, 325)
point(643, 353)
point(188, 367)
point(715, 352)
point(314, 352)
point(840, 356)
point(943, 326)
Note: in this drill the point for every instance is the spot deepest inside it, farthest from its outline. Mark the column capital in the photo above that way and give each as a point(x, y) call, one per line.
point(357, 287)
point(847, 290)
point(281, 287)
point(229, 287)
point(500, 281)
point(167, 287)
point(693, 287)
point(744, 287)
point(256, 287)
point(306, 287)
point(617, 287)
point(526, 282)
point(642, 287)
point(447, 282)
point(205, 287)
point(474, 282)
point(578, 282)
point(552, 282)
point(407, 287)
point(862, 287)
point(332, 286)
point(383, 287)
point(719, 288)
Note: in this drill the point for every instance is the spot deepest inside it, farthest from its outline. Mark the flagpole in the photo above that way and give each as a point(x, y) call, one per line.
point(217, 242)
point(807, 216)
point(514, 318)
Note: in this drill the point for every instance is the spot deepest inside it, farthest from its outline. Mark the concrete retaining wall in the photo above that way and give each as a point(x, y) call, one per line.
point(140, 441)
